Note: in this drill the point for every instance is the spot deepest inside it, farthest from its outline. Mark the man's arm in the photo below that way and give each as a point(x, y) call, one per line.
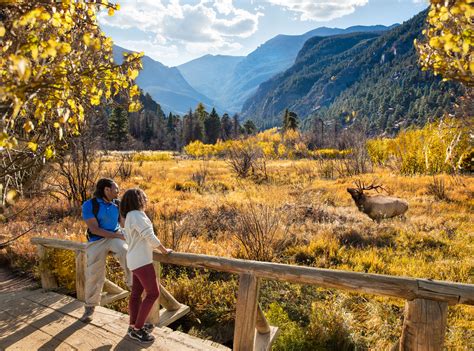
point(95, 229)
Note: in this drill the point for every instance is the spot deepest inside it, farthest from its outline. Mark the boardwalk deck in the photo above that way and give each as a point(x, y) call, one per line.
point(39, 320)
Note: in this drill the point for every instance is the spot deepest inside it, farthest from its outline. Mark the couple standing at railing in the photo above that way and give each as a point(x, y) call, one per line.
point(132, 244)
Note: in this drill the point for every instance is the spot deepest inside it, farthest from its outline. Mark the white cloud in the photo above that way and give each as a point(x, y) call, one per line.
point(319, 10)
point(212, 24)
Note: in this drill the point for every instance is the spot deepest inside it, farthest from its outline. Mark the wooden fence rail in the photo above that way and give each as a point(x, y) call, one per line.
point(172, 310)
point(424, 323)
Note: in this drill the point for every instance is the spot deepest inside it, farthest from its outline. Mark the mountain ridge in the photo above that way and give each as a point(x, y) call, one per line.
point(166, 85)
point(371, 80)
point(239, 79)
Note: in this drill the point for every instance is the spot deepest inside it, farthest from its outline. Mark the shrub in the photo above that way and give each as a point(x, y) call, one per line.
point(438, 147)
point(186, 186)
point(437, 188)
point(152, 156)
point(259, 226)
point(242, 158)
point(201, 175)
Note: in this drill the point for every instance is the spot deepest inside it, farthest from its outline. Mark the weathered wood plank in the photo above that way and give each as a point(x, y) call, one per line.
point(59, 243)
point(53, 311)
point(424, 325)
point(81, 265)
point(246, 313)
point(48, 281)
point(111, 287)
point(378, 284)
point(110, 297)
point(167, 317)
point(262, 324)
point(167, 300)
point(407, 288)
point(263, 342)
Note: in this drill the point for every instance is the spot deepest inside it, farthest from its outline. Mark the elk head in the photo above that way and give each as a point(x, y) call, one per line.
point(357, 193)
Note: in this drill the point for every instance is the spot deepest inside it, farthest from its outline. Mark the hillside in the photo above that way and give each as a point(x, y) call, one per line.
point(209, 73)
point(230, 80)
point(377, 77)
point(166, 85)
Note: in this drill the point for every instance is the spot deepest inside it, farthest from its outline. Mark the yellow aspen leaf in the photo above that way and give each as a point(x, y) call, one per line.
point(111, 11)
point(97, 44)
point(133, 73)
point(32, 146)
point(56, 21)
point(34, 51)
point(87, 39)
point(28, 126)
point(2, 30)
point(12, 196)
point(65, 48)
point(49, 152)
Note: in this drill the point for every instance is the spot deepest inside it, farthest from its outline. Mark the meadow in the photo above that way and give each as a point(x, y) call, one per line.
point(305, 216)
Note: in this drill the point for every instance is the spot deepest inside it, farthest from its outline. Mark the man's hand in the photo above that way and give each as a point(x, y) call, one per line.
point(120, 234)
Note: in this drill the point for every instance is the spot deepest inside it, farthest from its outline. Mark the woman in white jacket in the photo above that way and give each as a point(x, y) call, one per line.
point(141, 241)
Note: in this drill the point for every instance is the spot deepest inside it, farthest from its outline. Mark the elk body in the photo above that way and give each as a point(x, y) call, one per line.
point(377, 207)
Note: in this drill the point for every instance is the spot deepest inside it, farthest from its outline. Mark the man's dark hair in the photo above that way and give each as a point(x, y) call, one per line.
point(133, 199)
point(101, 185)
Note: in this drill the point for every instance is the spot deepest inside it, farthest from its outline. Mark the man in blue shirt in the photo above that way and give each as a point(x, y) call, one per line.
point(104, 234)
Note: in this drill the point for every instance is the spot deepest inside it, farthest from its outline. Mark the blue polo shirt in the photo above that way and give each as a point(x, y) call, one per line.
point(107, 217)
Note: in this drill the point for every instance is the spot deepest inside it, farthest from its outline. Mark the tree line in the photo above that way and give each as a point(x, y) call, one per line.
point(152, 129)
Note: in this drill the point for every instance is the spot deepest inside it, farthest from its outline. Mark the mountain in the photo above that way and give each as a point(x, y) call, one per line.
point(166, 85)
point(230, 80)
point(372, 76)
point(209, 73)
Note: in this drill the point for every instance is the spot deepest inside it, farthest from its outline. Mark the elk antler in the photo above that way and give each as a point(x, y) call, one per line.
point(361, 186)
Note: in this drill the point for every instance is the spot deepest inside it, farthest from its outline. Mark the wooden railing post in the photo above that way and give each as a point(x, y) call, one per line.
point(246, 312)
point(81, 264)
point(48, 281)
point(424, 325)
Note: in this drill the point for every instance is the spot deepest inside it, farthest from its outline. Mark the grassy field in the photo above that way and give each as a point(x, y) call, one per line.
point(202, 207)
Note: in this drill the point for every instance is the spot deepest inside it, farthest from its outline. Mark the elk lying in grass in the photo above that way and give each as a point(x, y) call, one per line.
point(377, 207)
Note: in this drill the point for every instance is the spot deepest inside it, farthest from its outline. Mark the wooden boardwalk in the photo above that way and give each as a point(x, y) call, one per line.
point(39, 320)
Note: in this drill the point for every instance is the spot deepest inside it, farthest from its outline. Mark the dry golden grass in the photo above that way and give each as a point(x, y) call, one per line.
point(322, 228)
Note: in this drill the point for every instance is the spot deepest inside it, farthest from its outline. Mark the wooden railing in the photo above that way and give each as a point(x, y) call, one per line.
point(171, 311)
point(424, 324)
point(425, 318)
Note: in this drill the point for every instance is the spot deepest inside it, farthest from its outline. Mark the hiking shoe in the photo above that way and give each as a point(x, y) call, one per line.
point(88, 312)
point(148, 327)
point(141, 335)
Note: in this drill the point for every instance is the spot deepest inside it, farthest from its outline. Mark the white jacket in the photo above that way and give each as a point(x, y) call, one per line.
point(140, 238)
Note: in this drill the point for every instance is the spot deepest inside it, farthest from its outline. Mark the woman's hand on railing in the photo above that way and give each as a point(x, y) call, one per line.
point(164, 250)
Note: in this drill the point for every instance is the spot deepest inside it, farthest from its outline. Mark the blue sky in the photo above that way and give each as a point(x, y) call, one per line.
point(177, 31)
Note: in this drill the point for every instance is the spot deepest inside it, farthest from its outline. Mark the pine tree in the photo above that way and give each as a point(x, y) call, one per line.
point(290, 120)
point(250, 127)
point(284, 123)
point(212, 127)
point(236, 128)
point(118, 127)
point(226, 127)
point(188, 128)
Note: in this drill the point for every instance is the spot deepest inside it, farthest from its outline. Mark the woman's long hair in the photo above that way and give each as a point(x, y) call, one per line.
point(133, 199)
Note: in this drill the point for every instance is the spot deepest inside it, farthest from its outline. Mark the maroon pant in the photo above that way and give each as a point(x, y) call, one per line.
point(144, 278)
